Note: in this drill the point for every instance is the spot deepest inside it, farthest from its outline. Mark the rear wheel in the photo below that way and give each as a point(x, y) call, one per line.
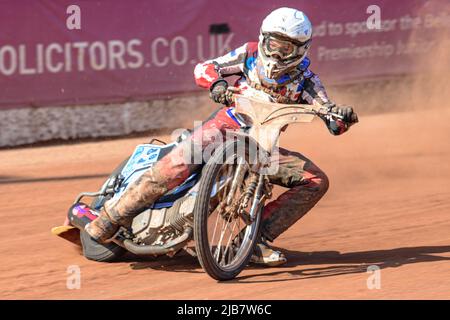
point(93, 250)
point(226, 225)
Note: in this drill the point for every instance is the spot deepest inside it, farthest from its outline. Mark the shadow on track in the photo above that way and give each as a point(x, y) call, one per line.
point(336, 263)
point(182, 262)
point(348, 263)
point(15, 180)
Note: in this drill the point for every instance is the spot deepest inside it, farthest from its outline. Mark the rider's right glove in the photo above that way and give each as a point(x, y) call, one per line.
point(219, 92)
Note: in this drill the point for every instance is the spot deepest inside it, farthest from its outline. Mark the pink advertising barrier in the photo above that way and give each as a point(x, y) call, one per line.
point(138, 49)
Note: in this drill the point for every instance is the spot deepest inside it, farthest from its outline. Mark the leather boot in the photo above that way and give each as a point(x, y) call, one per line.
point(102, 228)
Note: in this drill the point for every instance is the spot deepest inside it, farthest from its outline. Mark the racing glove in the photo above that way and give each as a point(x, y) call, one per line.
point(348, 115)
point(340, 125)
point(219, 92)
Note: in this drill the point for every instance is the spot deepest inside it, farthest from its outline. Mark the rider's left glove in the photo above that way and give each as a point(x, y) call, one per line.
point(348, 115)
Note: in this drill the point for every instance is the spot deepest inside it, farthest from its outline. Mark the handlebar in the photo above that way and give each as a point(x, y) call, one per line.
point(317, 109)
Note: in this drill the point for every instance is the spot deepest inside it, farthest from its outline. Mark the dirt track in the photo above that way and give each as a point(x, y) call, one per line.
point(388, 205)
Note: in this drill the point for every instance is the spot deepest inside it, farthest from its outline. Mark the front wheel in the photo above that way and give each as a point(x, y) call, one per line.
point(226, 219)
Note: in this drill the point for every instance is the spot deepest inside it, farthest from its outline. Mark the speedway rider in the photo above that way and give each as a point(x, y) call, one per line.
point(277, 67)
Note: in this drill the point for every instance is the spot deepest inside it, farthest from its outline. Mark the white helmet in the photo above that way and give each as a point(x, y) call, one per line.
point(284, 41)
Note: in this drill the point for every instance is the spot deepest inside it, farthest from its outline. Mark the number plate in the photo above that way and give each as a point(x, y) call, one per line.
point(143, 158)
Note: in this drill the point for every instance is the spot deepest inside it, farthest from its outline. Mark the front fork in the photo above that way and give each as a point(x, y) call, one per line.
point(238, 179)
point(262, 194)
point(260, 190)
point(258, 187)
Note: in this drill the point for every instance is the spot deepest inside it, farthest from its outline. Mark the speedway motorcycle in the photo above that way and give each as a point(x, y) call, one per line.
point(219, 207)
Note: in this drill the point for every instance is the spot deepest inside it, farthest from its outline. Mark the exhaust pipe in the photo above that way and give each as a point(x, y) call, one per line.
point(80, 214)
point(170, 247)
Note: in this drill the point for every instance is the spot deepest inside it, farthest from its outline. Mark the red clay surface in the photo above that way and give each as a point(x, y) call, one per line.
point(388, 205)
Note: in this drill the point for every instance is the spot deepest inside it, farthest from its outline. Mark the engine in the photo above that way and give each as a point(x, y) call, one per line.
point(158, 226)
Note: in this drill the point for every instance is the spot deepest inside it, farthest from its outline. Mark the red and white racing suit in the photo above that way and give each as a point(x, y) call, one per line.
point(306, 182)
